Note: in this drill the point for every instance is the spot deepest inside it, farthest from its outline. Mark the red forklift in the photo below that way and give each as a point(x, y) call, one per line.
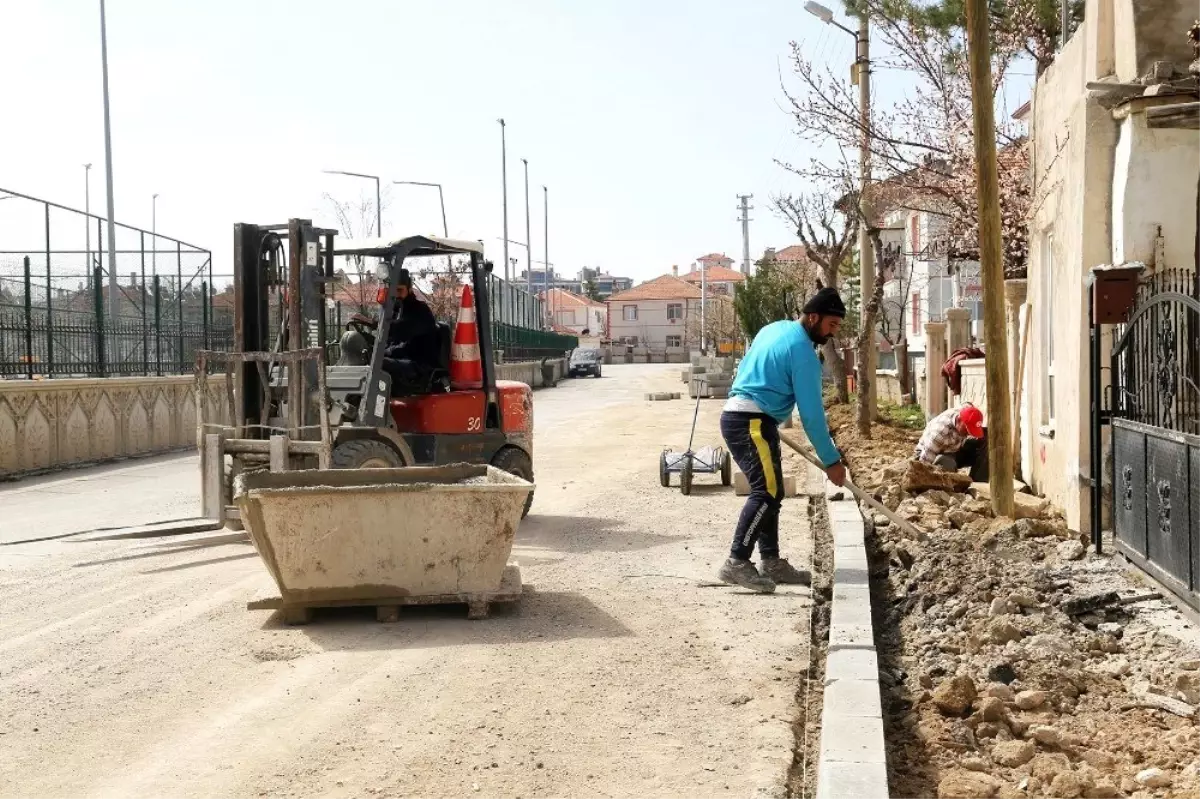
point(290, 267)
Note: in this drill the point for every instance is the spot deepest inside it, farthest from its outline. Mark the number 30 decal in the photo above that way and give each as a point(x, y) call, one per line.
point(474, 423)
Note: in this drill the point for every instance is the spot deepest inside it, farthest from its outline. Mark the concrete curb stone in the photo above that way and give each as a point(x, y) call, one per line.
point(853, 758)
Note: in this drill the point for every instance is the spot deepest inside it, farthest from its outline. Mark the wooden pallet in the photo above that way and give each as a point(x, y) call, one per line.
point(388, 609)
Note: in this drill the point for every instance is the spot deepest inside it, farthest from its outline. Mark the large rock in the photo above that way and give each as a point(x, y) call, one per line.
point(920, 476)
point(963, 784)
point(955, 695)
point(1067, 785)
point(1013, 753)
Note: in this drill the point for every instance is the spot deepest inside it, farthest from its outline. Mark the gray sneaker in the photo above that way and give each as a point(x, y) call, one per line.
point(779, 570)
point(743, 573)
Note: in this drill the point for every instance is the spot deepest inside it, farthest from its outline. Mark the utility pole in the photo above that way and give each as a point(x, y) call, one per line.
point(703, 307)
point(870, 356)
point(504, 189)
point(528, 240)
point(745, 220)
point(114, 306)
point(991, 257)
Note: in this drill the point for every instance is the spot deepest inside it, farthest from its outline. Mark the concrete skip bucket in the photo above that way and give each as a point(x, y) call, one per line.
point(385, 537)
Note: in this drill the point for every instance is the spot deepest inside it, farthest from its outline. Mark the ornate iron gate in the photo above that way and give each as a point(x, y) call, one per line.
point(1155, 416)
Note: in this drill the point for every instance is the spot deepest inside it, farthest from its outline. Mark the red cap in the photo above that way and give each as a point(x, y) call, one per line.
point(972, 419)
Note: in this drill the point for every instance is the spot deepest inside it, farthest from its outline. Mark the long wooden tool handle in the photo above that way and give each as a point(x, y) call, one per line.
point(861, 495)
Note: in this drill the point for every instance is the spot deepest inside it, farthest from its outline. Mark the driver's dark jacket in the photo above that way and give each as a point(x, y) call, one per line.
point(413, 334)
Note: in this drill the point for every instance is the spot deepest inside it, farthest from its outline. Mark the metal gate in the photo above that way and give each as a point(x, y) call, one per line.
point(1155, 416)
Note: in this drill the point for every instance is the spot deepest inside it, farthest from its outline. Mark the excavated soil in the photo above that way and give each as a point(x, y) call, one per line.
point(993, 685)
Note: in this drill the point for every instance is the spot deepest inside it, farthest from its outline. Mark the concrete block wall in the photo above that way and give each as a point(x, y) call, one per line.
point(853, 760)
point(47, 424)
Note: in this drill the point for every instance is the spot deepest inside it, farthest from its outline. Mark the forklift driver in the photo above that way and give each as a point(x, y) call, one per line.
point(412, 347)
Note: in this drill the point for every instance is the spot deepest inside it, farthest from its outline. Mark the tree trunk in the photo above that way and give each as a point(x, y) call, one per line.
point(837, 365)
point(866, 334)
point(902, 370)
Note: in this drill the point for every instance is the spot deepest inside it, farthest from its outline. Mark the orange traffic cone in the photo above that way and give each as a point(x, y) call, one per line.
point(466, 369)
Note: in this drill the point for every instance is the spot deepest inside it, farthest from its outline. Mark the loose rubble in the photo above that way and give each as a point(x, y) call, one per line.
point(1018, 666)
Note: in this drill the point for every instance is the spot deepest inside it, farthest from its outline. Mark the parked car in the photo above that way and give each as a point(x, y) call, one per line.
point(584, 362)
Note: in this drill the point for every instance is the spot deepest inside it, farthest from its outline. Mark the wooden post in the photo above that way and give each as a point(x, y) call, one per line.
point(991, 258)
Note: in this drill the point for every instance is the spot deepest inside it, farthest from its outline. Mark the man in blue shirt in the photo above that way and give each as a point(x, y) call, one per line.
point(780, 371)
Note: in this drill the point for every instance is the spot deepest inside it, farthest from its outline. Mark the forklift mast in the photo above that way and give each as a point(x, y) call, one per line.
point(287, 265)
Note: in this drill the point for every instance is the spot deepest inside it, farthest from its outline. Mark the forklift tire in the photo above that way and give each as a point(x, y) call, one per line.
point(685, 478)
point(516, 462)
point(365, 453)
point(664, 476)
point(727, 470)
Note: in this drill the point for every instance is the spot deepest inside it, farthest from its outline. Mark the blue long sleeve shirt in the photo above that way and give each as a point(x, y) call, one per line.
point(781, 370)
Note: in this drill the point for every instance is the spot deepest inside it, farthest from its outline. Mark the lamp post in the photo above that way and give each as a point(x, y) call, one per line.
point(441, 199)
point(528, 237)
point(113, 306)
point(546, 244)
point(504, 191)
point(378, 207)
point(87, 217)
point(154, 233)
point(866, 256)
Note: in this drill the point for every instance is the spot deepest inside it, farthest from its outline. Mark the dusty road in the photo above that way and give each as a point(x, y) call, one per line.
point(134, 668)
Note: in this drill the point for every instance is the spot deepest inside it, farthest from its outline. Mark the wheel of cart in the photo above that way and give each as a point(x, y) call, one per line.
point(727, 470)
point(685, 476)
point(664, 474)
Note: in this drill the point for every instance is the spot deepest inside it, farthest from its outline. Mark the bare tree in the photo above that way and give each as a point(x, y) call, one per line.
point(828, 234)
point(357, 219)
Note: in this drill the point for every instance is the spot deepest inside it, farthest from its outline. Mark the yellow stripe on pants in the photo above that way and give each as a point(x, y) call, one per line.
point(764, 454)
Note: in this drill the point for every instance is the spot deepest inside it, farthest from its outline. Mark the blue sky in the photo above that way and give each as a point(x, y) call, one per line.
point(644, 119)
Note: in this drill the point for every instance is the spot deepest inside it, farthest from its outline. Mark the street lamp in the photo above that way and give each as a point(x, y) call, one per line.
point(154, 233)
point(441, 199)
point(114, 306)
point(528, 236)
point(862, 64)
point(378, 207)
point(87, 218)
point(504, 189)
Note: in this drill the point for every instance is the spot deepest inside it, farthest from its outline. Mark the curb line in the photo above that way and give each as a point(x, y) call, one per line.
point(853, 758)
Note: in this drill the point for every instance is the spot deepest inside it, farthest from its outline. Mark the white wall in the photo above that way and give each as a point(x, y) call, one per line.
point(652, 326)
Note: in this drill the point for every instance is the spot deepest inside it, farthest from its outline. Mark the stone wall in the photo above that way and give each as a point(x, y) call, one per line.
point(887, 386)
point(49, 424)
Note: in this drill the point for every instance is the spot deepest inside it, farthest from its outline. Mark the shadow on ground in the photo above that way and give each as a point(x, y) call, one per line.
point(583, 534)
point(537, 617)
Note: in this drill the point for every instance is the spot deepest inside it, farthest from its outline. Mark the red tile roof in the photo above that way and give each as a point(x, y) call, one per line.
point(667, 287)
point(716, 274)
point(797, 253)
point(715, 256)
point(560, 296)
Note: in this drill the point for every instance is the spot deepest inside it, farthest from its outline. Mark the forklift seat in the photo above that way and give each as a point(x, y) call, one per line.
point(439, 380)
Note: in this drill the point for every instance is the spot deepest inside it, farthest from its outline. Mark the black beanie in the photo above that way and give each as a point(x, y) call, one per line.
point(826, 302)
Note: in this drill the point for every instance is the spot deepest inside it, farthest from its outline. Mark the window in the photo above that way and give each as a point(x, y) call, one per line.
point(565, 318)
point(1046, 334)
point(674, 341)
point(916, 313)
point(914, 226)
point(674, 311)
point(629, 313)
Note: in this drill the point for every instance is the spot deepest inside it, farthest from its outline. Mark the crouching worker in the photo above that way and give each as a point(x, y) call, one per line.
point(954, 439)
point(780, 371)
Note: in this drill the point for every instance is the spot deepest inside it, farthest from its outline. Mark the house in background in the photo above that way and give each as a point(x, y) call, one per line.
point(605, 283)
point(717, 279)
point(575, 314)
point(655, 314)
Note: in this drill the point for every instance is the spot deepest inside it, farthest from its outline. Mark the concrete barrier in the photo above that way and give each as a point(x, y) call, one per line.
point(853, 761)
point(49, 424)
point(530, 372)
